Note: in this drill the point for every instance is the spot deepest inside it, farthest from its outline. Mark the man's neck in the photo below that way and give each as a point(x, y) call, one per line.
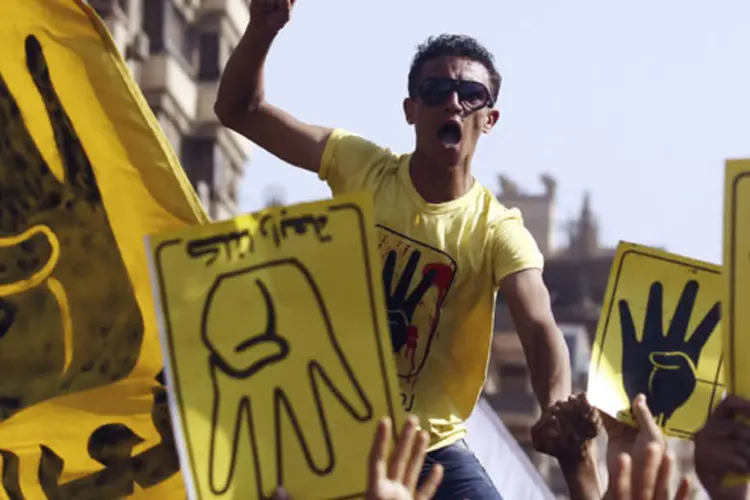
point(439, 184)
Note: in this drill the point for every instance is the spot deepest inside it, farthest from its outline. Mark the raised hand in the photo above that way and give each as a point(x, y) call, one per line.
point(663, 367)
point(402, 301)
point(396, 478)
point(69, 319)
point(270, 15)
point(722, 447)
point(638, 461)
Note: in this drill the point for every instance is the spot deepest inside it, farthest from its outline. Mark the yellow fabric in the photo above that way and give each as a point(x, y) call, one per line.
point(85, 174)
point(442, 319)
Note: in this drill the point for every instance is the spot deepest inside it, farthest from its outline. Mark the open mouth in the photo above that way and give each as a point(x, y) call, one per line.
point(450, 134)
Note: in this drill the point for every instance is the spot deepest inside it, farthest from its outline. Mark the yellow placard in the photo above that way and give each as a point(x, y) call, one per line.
point(278, 347)
point(737, 266)
point(84, 173)
point(737, 293)
point(659, 335)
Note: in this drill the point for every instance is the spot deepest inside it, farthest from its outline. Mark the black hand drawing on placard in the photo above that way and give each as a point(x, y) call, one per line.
point(266, 373)
point(663, 367)
point(402, 302)
point(69, 319)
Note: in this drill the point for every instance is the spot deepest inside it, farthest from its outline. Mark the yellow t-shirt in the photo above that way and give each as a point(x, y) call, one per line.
point(442, 265)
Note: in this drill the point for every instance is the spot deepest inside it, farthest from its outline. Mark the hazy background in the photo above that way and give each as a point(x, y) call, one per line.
point(638, 102)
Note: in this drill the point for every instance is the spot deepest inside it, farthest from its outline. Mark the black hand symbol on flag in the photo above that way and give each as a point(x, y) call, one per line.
point(69, 319)
point(663, 367)
point(402, 303)
point(269, 368)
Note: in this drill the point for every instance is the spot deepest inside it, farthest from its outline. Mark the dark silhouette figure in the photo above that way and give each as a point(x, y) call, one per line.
point(400, 303)
point(663, 367)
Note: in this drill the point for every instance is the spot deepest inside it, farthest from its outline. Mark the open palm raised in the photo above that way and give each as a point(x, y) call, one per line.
point(663, 366)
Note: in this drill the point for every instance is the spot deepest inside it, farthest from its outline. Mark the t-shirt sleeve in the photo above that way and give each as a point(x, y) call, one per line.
point(514, 249)
point(350, 162)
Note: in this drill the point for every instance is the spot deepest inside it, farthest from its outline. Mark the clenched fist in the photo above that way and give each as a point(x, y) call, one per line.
point(270, 15)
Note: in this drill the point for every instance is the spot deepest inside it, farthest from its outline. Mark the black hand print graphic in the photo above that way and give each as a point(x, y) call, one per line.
point(268, 369)
point(402, 303)
point(69, 319)
point(663, 367)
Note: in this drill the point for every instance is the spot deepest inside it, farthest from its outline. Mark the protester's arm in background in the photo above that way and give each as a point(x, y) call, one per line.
point(722, 447)
point(241, 104)
point(567, 431)
point(518, 272)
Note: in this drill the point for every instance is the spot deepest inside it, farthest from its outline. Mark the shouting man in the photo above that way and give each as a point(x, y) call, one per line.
point(447, 244)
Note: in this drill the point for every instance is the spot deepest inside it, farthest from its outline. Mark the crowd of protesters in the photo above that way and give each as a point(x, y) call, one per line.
point(639, 462)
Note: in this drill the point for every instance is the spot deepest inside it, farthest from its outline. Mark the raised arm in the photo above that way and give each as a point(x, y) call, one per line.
point(241, 105)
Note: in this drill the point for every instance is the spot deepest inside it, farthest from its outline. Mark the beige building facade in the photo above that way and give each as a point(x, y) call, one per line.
point(176, 50)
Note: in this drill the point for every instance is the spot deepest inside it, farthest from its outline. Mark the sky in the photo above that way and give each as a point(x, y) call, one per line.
point(639, 103)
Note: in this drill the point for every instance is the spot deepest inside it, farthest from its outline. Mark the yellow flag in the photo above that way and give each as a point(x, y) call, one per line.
point(84, 174)
point(280, 358)
point(659, 335)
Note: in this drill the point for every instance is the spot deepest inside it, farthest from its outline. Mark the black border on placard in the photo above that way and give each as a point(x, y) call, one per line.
point(635, 251)
point(730, 318)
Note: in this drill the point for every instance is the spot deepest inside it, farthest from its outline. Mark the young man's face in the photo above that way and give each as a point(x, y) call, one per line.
point(449, 111)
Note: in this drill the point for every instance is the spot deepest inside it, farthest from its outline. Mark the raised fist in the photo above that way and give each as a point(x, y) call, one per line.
point(270, 15)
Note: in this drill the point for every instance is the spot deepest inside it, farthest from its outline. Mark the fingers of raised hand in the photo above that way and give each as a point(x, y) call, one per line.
point(273, 6)
point(404, 446)
point(430, 486)
point(379, 452)
point(646, 424)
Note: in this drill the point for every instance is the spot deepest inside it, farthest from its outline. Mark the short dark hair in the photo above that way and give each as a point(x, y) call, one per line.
point(457, 46)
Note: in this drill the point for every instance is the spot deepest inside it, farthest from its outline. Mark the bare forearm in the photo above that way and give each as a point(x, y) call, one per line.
point(241, 85)
point(549, 364)
point(582, 479)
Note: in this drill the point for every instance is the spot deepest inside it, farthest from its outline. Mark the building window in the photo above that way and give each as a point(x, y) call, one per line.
point(153, 24)
point(197, 157)
point(208, 65)
point(180, 37)
point(169, 30)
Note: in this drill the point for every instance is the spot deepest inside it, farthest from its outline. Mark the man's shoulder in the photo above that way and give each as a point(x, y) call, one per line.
point(352, 162)
point(343, 141)
point(493, 211)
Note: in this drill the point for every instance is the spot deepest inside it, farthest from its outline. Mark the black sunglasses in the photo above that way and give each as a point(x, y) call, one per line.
point(471, 95)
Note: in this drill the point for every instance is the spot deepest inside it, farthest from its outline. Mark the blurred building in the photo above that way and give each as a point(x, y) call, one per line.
point(576, 274)
point(176, 50)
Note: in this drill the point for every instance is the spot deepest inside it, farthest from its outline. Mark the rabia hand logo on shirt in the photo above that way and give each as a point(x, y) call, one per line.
point(402, 300)
point(663, 366)
point(416, 280)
